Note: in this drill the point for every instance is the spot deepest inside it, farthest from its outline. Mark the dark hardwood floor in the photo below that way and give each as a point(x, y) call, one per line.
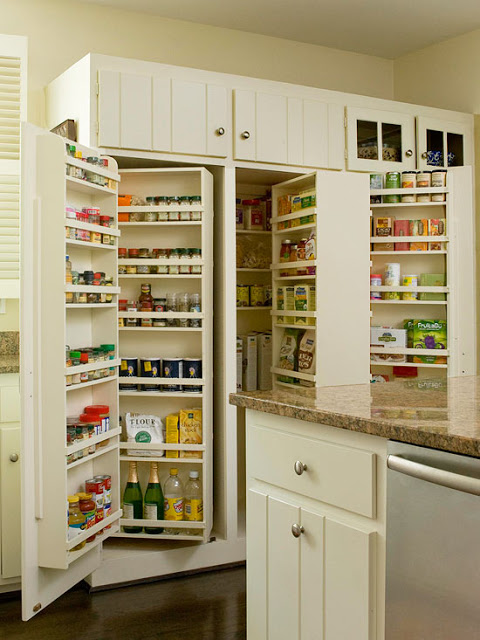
point(205, 606)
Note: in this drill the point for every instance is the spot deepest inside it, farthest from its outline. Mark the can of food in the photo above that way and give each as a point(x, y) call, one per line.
point(439, 178)
point(409, 179)
point(107, 488)
point(172, 368)
point(257, 295)
point(392, 274)
point(150, 368)
point(243, 295)
point(192, 369)
point(99, 514)
point(375, 281)
point(376, 180)
point(96, 487)
point(392, 181)
point(128, 369)
point(424, 179)
point(425, 197)
point(410, 281)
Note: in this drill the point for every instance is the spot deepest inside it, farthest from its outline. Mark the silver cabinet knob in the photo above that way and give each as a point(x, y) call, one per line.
point(245, 135)
point(220, 131)
point(409, 153)
point(424, 155)
point(297, 530)
point(299, 467)
point(14, 457)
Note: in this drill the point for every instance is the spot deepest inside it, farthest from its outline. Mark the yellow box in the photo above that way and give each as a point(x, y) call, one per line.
point(191, 431)
point(171, 433)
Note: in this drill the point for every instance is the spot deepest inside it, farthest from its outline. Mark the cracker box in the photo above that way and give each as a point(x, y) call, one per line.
point(249, 362)
point(285, 302)
point(427, 334)
point(389, 338)
point(382, 227)
point(264, 361)
point(191, 431)
point(171, 433)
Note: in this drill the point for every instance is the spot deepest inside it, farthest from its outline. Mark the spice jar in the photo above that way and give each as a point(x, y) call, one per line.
point(174, 256)
point(143, 253)
point(196, 254)
point(136, 216)
point(122, 252)
point(285, 250)
point(105, 221)
point(150, 216)
point(133, 253)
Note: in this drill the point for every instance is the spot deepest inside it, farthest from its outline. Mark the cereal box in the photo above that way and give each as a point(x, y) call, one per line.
point(191, 431)
point(249, 362)
point(171, 433)
point(304, 296)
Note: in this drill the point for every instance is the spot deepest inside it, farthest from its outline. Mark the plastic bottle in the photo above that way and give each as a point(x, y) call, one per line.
point(68, 270)
point(193, 498)
point(174, 499)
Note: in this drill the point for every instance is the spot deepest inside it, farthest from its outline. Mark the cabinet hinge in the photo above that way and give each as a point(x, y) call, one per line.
point(97, 128)
point(97, 89)
point(344, 120)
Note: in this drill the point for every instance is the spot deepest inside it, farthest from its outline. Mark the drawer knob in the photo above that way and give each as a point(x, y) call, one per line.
point(14, 457)
point(220, 131)
point(297, 530)
point(245, 135)
point(299, 467)
point(424, 155)
point(409, 153)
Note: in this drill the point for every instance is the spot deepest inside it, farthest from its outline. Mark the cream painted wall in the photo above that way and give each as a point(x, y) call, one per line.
point(60, 32)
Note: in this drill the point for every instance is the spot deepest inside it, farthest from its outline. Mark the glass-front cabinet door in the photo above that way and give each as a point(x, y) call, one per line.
point(443, 144)
point(379, 140)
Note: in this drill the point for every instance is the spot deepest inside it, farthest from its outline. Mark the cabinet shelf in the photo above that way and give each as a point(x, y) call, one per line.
point(388, 205)
point(386, 239)
point(158, 536)
point(141, 446)
point(81, 164)
point(92, 305)
point(82, 368)
point(245, 270)
point(285, 278)
point(431, 289)
point(159, 394)
point(409, 191)
point(161, 459)
point(90, 245)
point(171, 524)
point(111, 433)
point(293, 374)
point(408, 253)
point(170, 262)
point(168, 276)
point(419, 365)
point(434, 302)
point(410, 351)
point(298, 228)
point(296, 214)
point(144, 208)
point(90, 383)
point(295, 314)
point(253, 232)
point(166, 223)
point(169, 315)
point(293, 265)
point(86, 226)
point(165, 329)
point(89, 532)
point(295, 326)
point(83, 186)
point(81, 288)
point(254, 308)
point(91, 456)
point(162, 381)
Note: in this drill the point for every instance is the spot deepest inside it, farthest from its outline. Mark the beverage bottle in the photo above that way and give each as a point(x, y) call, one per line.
point(68, 270)
point(153, 503)
point(174, 497)
point(193, 498)
point(145, 299)
point(195, 306)
point(132, 498)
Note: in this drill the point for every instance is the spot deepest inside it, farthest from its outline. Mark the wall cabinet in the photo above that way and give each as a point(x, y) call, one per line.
point(158, 113)
point(443, 144)
point(380, 140)
point(287, 130)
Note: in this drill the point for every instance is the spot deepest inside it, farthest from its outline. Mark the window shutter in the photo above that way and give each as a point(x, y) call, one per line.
point(13, 59)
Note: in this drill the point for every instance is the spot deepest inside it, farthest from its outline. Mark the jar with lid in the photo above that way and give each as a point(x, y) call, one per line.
point(150, 201)
point(183, 300)
point(106, 238)
point(195, 307)
point(172, 307)
point(88, 277)
point(122, 252)
point(88, 508)
point(196, 200)
point(185, 255)
point(285, 250)
point(92, 298)
point(293, 253)
point(106, 221)
point(80, 297)
point(75, 277)
point(131, 306)
point(162, 201)
point(93, 216)
point(96, 237)
point(175, 255)
point(173, 201)
point(136, 216)
point(76, 521)
point(196, 254)
point(150, 216)
point(146, 294)
point(133, 253)
point(161, 254)
point(108, 283)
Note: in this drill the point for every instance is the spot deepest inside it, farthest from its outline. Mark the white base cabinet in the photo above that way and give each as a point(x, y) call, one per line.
point(315, 569)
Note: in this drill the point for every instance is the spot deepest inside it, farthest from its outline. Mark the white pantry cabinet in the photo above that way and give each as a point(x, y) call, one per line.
point(287, 130)
point(315, 569)
point(443, 144)
point(158, 113)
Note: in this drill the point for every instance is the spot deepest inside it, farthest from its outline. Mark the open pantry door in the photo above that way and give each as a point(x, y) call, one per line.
point(51, 317)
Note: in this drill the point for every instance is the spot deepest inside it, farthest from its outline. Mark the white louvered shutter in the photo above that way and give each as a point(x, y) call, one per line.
point(13, 60)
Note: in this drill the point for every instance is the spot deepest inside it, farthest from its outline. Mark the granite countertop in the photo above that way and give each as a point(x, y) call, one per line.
point(441, 414)
point(9, 352)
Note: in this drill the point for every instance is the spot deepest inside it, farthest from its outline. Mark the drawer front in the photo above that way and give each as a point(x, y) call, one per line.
point(338, 475)
point(9, 404)
point(10, 523)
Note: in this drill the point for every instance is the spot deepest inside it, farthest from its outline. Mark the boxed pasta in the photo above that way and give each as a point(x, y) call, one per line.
point(172, 433)
point(191, 431)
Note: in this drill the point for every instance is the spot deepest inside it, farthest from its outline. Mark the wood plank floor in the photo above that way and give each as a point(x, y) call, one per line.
point(206, 606)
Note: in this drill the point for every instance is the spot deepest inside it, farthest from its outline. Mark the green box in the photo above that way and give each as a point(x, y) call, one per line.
point(427, 334)
point(432, 280)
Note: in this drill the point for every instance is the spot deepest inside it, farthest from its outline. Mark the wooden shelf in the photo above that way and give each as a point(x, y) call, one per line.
point(168, 276)
point(167, 329)
point(409, 351)
point(406, 192)
point(170, 524)
point(386, 239)
point(90, 245)
point(90, 383)
point(82, 368)
point(91, 456)
point(442, 302)
point(296, 214)
point(296, 314)
point(158, 536)
point(83, 186)
point(83, 288)
point(82, 164)
point(245, 270)
point(253, 232)
point(295, 326)
point(408, 253)
point(293, 374)
point(169, 315)
point(420, 365)
point(431, 289)
point(92, 305)
point(254, 308)
point(190, 382)
point(111, 433)
point(86, 226)
point(169, 262)
point(140, 446)
point(161, 459)
point(284, 278)
point(159, 394)
point(300, 227)
point(293, 265)
point(89, 532)
point(154, 208)
point(384, 205)
point(166, 223)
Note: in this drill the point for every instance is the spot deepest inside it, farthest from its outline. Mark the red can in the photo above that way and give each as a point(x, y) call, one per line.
point(107, 495)
point(98, 518)
point(96, 486)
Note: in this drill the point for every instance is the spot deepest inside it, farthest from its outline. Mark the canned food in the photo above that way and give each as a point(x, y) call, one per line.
point(392, 181)
point(439, 178)
point(375, 281)
point(376, 180)
point(424, 179)
point(107, 488)
point(192, 368)
point(96, 486)
point(150, 368)
point(172, 368)
point(410, 281)
point(243, 295)
point(257, 295)
point(129, 369)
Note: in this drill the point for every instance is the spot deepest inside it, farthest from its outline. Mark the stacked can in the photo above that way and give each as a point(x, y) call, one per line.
point(96, 486)
point(392, 279)
point(106, 482)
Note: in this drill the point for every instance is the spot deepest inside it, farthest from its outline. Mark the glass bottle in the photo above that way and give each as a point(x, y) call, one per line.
point(146, 296)
point(153, 502)
point(76, 521)
point(132, 498)
point(174, 496)
point(68, 270)
point(195, 307)
point(193, 498)
point(183, 307)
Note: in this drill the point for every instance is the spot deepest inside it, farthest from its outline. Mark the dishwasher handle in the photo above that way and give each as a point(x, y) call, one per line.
point(455, 481)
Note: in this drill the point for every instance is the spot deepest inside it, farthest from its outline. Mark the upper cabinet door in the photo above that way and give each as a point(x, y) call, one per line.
point(443, 144)
point(271, 127)
point(218, 134)
point(380, 140)
point(244, 128)
point(189, 116)
point(109, 108)
point(135, 111)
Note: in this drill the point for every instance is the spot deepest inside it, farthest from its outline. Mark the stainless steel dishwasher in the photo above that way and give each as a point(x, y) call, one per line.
point(433, 545)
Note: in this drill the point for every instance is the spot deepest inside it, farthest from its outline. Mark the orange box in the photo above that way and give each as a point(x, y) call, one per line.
point(123, 217)
point(124, 201)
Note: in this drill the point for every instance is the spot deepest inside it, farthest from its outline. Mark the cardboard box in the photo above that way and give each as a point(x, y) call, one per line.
point(264, 361)
point(239, 364)
point(427, 334)
point(382, 226)
point(304, 296)
point(285, 302)
point(389, 338)
point(249, 362)
point(432, 280)
point(172, 433)
point(191, 431)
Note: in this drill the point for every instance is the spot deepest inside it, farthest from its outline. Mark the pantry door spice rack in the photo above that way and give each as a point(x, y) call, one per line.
point(455, 259)
point(169, 341)
point(50, 563)
point(340, 318)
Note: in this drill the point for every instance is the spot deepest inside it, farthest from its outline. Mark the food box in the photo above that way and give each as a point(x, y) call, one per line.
point(171, 433)
point(296, 203)
point(304, 299)
point(243, 295)
point(427, 334)
point(239, 363)
point(418, 227)
point(432, 280)
point(306, 356)
point(249, 362)
point(124, 200)
point(401, 228)
point(288, 358)
point(382, 227)
point(383, 246)
point(285, 302)
point(390, 338)
point(284, 205)
point(264, 361)
point(190, 431)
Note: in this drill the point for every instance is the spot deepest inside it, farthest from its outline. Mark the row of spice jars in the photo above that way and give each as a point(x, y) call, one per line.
point(409, 180)
point(78, 357)
point(95, 237)
point(160, 216)
point(172, 258)
point(89, 215)
point(172, 303)
point(73, 152)
point(89, 175)
point(84, 297)
point(94, 421)
point(93, 278)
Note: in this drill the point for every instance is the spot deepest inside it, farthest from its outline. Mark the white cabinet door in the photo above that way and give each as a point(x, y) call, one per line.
point(349, 583)
point(380, 140)
point(315, 133)
point(271, 128)
point(10, 523)
point(189, 114)
point(161, 114)
point(443, 144)
point(10, 403)
point(109, 108)
point(311, 572)
point(135, 111)
point(257, 565)
point(217, 121)
point(244, 127)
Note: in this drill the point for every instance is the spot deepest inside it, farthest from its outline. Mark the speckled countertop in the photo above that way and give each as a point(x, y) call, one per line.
point(9, 348)
point(431, 413)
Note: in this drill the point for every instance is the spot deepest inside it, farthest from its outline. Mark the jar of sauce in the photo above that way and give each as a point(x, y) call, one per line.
point(76, 520)
point(88, 508)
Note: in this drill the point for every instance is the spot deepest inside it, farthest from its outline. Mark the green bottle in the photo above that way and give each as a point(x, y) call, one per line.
point(132, 499)
point(153, 504)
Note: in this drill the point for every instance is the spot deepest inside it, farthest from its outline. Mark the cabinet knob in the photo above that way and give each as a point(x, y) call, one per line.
point(409, 153)
point(297, 530)
point(245, 135)
point(220, 131)
point(14, 457)
point(299, 467)
point(424, 155)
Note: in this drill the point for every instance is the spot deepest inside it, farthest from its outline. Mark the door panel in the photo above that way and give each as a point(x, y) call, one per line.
point(217, 142)
point(311, 570)
point(245, 125)
point(315, 133)
point(257, 565)
point(336, 136)
point(271, 128)
point(349, 582)
point(136, 111)
point(283, 563)
point(10, 501)
point(10, 403)
point(295, 131)
point(189, 117)
point(109, 108)
point(161, 114)
point(436, 139)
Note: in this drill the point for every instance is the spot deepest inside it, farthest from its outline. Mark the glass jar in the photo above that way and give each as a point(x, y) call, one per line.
point(122, 253)
point(172, 307)
point(93, 216)
point(131, 269)
point(150, 216)
point(133, 253)
point(76, 521)
point(144, 252)
point(106, 221)
point(185, 255)
point(96, 237)
point(92, 298)
point(196, 254)
point(136, 216)
point(174, 256)
point(122, 268)
point(183, 304)
point(106, 238)
point(143, 269)
point(195, 307)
